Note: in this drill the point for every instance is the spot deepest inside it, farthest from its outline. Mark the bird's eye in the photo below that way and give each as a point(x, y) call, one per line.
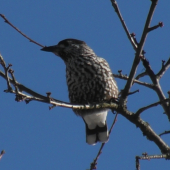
point(61, 45)
point(64, 44)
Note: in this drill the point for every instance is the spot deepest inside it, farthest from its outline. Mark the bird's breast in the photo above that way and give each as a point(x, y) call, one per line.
point(89, 81)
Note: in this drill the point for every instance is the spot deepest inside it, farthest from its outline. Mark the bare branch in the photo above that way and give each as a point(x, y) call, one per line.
point(23, 88)
point(138, 53)
point(148, 157)
point(160, 24)
point(137, 163)
point(31, 40)
point(157, 88)
point(115, 6)
point(145, 128)
point(134, 38)
point(164, 133)
point(163, 69)
point(151, 105)
point(2, 62)
point(19, 97)
point(151, 86)
point(94, 163)
point(149, 70)
point(141, 75)
point(133, 92)
point(2, 153)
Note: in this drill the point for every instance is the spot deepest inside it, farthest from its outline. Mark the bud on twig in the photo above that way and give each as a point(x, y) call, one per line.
point(120, 72)
point(160, 24)
point(48, 94)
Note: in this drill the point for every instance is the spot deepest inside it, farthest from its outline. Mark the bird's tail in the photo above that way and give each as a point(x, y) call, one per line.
point(100, 134)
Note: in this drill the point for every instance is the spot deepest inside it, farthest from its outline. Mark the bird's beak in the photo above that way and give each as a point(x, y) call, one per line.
point(55, 49)
point(50, 48)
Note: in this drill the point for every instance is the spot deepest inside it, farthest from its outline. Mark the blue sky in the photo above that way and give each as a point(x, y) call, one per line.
point(36, 138)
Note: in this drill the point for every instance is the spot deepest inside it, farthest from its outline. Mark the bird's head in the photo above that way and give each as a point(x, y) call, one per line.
point(69, 48)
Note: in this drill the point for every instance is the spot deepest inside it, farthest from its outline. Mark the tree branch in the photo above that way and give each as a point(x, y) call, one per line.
point(151, 105)
point(94, 163)
point(31, 40)
point(145, 128)
point(156, 84)
point(164, 133)
point(163, 69)
point(134, 81)
point(148, 157)
point(6, 69)
point(138, 53)
point(115, 6)
point(141, 75)
point(2, 153)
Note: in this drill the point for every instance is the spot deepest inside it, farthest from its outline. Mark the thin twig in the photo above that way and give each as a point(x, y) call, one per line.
point(31, 40)
point(141, 75)
point(163, 69)
point(115, 6)
point(138, 53)
point(2, 153)
point(156, 84)
point(151, 105)
point(94, 163)
point(6, 69)
point(151, 86)
point(148, 157)
point(134, 38)
point(160, 24)
point(149, 70)
point(18, 96)
point(114, 121)
point(164, 133)
point(137, 163)
point(23, 88)
point(136, 91)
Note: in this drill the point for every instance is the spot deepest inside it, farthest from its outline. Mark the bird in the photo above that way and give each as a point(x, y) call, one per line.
point(90, 81)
